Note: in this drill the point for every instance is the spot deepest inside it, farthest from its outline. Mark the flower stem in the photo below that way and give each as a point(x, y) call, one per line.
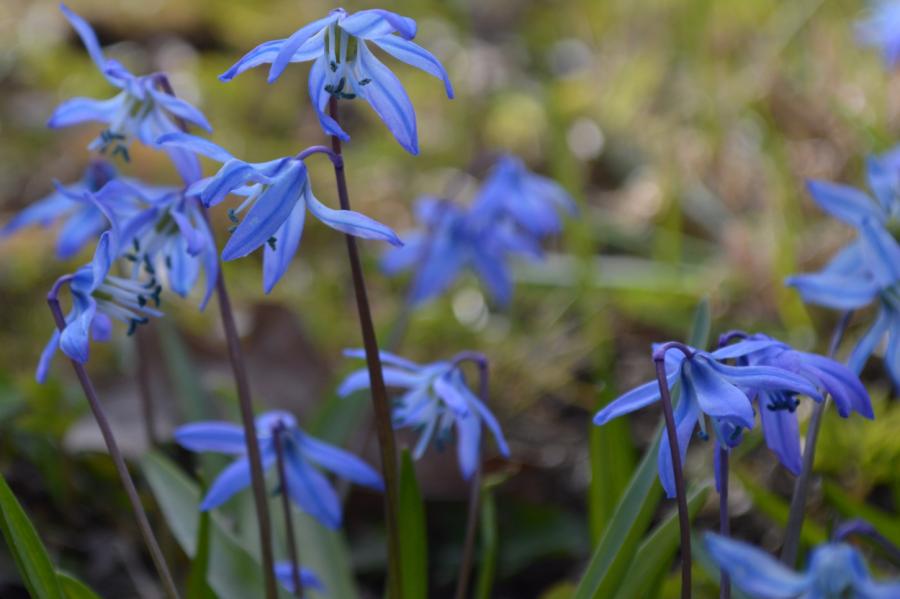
point(724, 523)
point(684, 522)
point(239, 370)
point(797, 511)
point(474, 507)
point(286, 506)
point(382, 409)
point(145, 389)
point(121, 468)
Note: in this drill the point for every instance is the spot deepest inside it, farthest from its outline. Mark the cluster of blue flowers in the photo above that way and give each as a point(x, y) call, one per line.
point(510, 215)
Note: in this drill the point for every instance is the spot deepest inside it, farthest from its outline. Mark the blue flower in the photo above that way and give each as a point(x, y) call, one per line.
point(710, 387)
point(98, 298)
point(284, 572)
point(141, 110)
point(835, 571)
point(344, 67)
point(277, 196)
point(436, 399)
point(307, 486)
point(84, 221)
point(881, 29)
point(451, 240)
point(868, 269)
point(777, 408)
point(532, 201)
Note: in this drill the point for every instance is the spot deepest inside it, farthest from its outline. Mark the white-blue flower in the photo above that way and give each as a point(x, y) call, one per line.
point(344, 67)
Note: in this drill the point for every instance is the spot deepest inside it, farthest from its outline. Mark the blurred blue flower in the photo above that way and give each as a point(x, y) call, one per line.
point(344, 67)
point(307, 486)
point(84, 221)
point(284, 572)
point(868, 269)
point(712, 388)
point(98, 298)
point(881, 28)
point(531, 200)
point(141, 110)
point(777, 407)
point(436, 399)
point(278, 195)
point(451, 240)
point(835, 571)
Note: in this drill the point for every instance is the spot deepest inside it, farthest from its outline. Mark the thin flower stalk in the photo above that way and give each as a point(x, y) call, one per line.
point(381, 405)
point(115, 453)
point(724, 522)
point(293, 555)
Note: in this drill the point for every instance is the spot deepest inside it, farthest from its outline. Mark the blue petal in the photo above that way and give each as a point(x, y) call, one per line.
point(634, 400)
point(284, 572)
point(881, 252)
point(843, 202)
point(294, 42)
point(386, 358)
point(781, 432)
point(743, 348)
point(883, 180)
point(686, 414)
point(81, 110)
point(440, 265)
point(494, 274)
point(415, 55)
point(718, 396)
point(312, 491)
point(866, 345)
point(181, 109)
point(267, 51)
point(287, 240)
point(764, 378)
point(447, 388)
point(491, 422)
point(468, 443)
point(87, 35)
point(393, 377)
point(47, 355)
point(219, 437)
point(317, 77)
point(374, 23)
point(233, 176)
point(841, 382)
point(753, 571)
point(268, 213)
point(397, 259)
point(75, 340)
point(42, 212)
point(342, 463)
point(386, 95)
point(834, 291)
point(892, 353)
point(350, 222)
point(184, 268)
point(195, 144)
point(78, 230)
point(231, 480)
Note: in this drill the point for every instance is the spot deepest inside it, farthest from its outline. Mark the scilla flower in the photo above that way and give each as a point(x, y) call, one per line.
point(777, 408)
point(708, 387)
point(277, 195)
point(98, 298)
point(84, 222)
point(344, 67)
point(835, 571)
point(307, 486)
point(436, 401)
point(141, 110)
point(868, 269)
point(451, 240)
point(284, 572)
point(880, 29)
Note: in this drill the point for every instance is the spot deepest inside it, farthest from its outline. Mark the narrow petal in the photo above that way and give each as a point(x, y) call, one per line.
point(448, 388)
point(398, 259)
point(287, 240)
point(219, 437)
point(75, 340)
point(312, 492)
point(266, 52)
point(350, 222)
point(83, 110)
point(386, 95)
point(634, 400)
point(491, 422)
point(393, 377)
point(843, 202)
point(415, 55)
point(87, 35)
point(195, 144)
point(834, 291)
point(341, 462)
point(866, 345)
point(781, 432)
point(42, 212)
point(374, 23)
point(753, 571)
point(468, 443)
point(284, 572)
point(47, 355)
point(686, 414)
point(765, 378)
point(294, 42)
point(183, 268)
point(181, 108)
point(231, 480)
point(440, 266)
point(743, 348)
point(493, 272)
point(386, 358)
point(881, 252)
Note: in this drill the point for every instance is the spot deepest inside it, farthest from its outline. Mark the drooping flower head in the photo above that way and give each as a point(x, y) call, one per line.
point(708, 387)
point(881, 29)
point(277, 195)
point(835, 571)
point(307, 486)
point(84, 222)
point(777, 407)
point(436, 401)
point(450, 241)
point(344, 67)
point(868, 269)
point(98, 298)
point(140, 111)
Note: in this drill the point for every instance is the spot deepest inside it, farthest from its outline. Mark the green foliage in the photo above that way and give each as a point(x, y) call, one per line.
point(489, 544)
point(413, 533)
point(75, 589)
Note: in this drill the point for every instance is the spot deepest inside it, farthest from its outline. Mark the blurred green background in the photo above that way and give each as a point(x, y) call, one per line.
point(685, 130)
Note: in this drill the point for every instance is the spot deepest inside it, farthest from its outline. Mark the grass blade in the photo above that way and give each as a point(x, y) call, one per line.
point(413, 538)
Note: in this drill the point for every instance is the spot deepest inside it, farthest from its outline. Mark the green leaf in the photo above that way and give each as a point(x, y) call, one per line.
point(413, 534)
point(74, 588)
point(654, 557)
point(325, 552)
point(620, 539)
point(489, 544)
point(198, 587)
point(233, 573)
point(31, 557)
point(700, 325)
